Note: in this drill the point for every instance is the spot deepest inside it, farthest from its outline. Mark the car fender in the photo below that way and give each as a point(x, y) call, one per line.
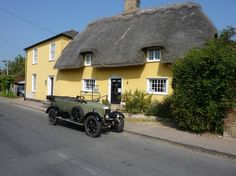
point(51, 107)
point(95, 114)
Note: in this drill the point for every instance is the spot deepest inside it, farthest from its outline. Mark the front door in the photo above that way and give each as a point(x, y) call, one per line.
point(116, 90)
point(50, 85)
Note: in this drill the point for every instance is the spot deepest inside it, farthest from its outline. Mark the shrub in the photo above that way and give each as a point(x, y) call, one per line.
point(160, 109)
point(106, 102)
point(203, 86)
point(136, 102)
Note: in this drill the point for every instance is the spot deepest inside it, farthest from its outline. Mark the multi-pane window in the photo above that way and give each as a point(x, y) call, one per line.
point(89, 84)
point(35, 55)
point(52, 51)
point(34, 77)
point(153, 55)
point(88, 59)
point(158, 86)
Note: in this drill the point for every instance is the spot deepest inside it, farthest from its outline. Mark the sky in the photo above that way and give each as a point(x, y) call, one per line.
point(25, 22)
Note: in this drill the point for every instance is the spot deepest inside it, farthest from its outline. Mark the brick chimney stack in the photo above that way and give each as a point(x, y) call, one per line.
point(131, 6)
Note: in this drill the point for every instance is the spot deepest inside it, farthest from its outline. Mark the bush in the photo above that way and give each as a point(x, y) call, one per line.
point(160, 109)
point(106, 102)
point(136, 102)
point(203, 86)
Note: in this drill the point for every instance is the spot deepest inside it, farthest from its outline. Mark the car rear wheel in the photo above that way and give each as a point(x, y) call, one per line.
point(93, 127)
point(52, 116)
point(77, 114)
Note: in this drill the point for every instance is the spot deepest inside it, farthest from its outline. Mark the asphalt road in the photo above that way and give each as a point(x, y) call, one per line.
point(31, 147)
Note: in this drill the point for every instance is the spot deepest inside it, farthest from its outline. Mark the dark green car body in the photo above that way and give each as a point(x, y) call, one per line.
point(91, 114)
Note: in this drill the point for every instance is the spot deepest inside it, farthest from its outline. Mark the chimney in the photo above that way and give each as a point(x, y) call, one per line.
point(131, 6)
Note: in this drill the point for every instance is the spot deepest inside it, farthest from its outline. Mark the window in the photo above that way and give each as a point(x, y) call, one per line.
point(88, 59)
point(157, 85)
point(153, 55)
point(52, 51)
point(89, 84)
point(34, 77)
point(35, 55)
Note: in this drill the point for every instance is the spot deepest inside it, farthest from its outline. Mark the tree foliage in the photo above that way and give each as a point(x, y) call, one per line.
point(16, 72)
point(203, 84)
point(17, 68)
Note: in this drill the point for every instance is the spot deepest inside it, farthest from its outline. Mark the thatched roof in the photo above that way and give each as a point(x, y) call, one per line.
point(121, 40)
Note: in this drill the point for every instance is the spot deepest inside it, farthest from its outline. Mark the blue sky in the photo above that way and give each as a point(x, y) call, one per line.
point(61, 15)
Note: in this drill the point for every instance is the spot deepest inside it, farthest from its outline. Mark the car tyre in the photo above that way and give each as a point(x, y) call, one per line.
point(77, 114)
point(52, 116)
point(119, 128)
point(93, 127)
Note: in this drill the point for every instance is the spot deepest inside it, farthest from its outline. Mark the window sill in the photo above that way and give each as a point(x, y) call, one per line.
point(158, 93)
point(150, 61)
point(34, 91)
point(90, 91)
point(51, 60)
point(35, 63)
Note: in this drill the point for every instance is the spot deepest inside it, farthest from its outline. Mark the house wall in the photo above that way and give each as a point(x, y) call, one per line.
point(70, 82)
point(43, 68)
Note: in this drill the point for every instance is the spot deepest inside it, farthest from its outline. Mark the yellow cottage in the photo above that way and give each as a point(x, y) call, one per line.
point(133, 50)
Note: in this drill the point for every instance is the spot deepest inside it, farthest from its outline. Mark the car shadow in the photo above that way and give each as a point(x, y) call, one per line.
point(71, 125)
point(80, 128)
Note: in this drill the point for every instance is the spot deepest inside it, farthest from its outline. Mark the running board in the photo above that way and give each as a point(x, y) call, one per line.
point(60, 118)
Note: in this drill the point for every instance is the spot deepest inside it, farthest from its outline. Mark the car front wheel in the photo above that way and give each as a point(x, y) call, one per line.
point(93, 127)
point(120, 125)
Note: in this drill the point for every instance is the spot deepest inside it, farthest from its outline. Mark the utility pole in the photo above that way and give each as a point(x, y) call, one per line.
point(6, 61)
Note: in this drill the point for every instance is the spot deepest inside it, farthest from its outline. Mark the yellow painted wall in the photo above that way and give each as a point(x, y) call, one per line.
point(70, 82)
point(43, 68)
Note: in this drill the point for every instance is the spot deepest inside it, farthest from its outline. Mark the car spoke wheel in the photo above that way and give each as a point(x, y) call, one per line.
point(92, 126)
point(120, 125)
point(77, 114)
point(52, 116)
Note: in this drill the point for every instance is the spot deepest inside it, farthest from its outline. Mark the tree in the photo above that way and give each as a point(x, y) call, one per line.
point(16, 73)
point(203, 84)
point(17, 68)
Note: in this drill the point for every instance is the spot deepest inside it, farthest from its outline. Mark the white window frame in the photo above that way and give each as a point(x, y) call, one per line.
point(52, 55)
point(35, 56)
point(34, 82)
point(154, 50)
point(85, 88)
point(88, 59)
point(150, 91)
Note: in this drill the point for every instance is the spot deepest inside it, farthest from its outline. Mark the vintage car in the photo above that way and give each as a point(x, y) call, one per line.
point(93, 115)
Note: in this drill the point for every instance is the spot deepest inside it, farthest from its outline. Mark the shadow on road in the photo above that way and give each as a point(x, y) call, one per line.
point(80, 128)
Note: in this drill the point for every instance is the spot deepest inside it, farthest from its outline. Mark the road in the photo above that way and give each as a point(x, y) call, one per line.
point(31, 147)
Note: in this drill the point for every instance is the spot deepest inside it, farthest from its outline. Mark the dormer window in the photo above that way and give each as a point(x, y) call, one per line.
point(88, 59)
point(153, 54)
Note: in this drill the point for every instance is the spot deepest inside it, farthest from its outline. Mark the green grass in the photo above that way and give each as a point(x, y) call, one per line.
point(9, 95)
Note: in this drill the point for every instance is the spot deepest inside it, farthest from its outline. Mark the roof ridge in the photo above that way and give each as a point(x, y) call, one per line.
point(140, 12)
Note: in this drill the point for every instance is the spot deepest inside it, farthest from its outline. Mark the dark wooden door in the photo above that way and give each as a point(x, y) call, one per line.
point(116, 90)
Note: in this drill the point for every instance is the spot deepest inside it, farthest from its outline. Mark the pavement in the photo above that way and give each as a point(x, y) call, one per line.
point(224, 146)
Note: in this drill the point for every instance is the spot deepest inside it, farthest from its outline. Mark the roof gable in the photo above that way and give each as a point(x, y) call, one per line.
point(69, 34)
